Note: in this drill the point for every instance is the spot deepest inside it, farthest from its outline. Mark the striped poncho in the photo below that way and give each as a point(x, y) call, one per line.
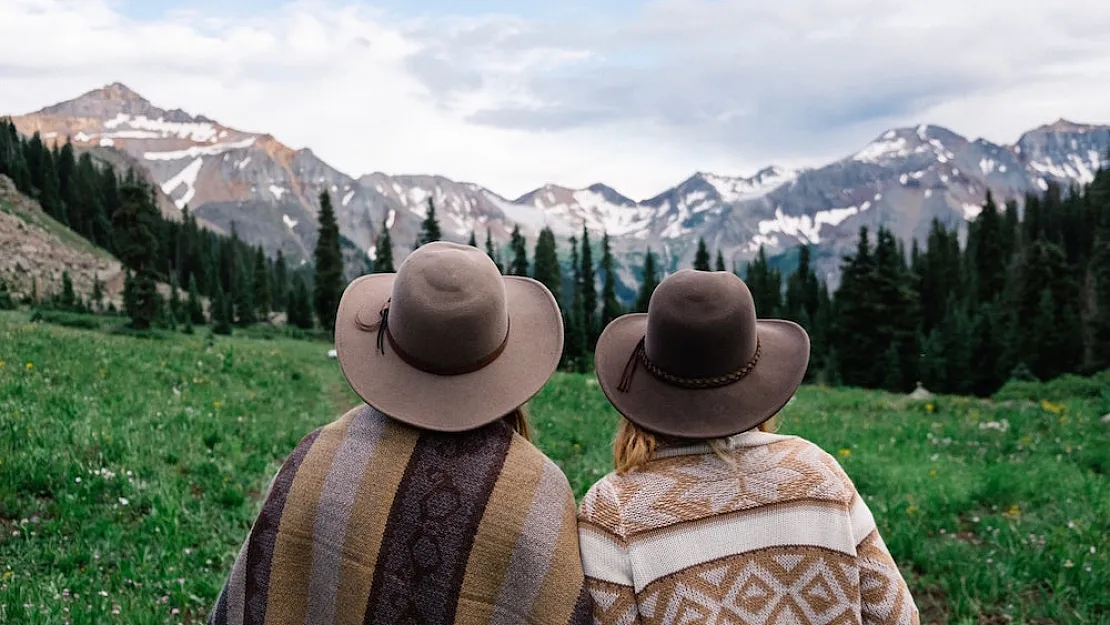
point(372, 521)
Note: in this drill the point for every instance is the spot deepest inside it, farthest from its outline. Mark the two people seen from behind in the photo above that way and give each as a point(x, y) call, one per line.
point(428, 504)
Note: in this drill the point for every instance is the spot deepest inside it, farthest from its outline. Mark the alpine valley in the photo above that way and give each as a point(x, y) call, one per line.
point(902, 179)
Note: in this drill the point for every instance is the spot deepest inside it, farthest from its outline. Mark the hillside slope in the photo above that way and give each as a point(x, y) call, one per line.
point(37, 249)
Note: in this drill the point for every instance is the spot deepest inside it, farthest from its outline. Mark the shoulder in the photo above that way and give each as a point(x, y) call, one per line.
point(525, 461)
point(823, 474)
point(601, 505)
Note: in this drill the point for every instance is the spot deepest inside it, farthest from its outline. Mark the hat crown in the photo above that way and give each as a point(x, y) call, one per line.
point(448, 306)
point(701, 324)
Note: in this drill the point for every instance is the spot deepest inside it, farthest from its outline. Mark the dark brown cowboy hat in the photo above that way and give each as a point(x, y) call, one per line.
point(699, 364)
point(447, 343)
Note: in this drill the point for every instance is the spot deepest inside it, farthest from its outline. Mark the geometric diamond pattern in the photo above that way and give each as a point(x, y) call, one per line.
point(798, 584)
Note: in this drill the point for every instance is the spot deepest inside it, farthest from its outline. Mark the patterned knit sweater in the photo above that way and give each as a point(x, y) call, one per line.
point(370, 521)
point(781, 537)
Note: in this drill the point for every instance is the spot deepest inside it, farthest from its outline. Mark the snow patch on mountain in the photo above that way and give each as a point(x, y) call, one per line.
point(805, 227)
point(971, 211)
point(194, 131)
point(347, 197)
point(188, 177)
point(277, 192)
point(1075, 167)
point(732, 190)
point(879, 151)
point(289, 221)
point(207, 150)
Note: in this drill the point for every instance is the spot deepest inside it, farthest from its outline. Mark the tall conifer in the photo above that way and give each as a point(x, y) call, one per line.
point(648, 283)
point(329, 264)
point(519, 264)
point(701, 257)
point(610, 307)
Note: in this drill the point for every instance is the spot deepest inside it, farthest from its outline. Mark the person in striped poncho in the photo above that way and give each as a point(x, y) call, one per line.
point(443, 511)
point(709, 517)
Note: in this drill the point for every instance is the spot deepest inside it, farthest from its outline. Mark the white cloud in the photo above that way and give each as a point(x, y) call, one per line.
point(638, 101)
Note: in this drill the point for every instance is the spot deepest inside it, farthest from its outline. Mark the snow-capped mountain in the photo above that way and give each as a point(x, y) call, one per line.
point(902, 179)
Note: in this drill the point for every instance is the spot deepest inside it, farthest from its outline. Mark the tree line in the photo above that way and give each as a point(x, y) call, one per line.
point(1027, 295)
point(119, 213)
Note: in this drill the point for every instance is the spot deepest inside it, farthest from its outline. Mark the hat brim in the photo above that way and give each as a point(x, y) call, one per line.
point(702, 413)
point(450, 403)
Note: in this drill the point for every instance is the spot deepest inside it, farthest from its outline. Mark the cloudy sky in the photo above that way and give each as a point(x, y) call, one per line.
point(513, 94)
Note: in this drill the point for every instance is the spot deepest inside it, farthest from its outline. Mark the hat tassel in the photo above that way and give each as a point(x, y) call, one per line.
point(630, 367)
point(382, 329)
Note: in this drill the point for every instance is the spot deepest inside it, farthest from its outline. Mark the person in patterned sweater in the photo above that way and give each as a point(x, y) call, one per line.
point(710, 517)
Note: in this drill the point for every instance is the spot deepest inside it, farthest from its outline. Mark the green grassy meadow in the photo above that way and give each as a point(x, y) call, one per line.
point(131, 469)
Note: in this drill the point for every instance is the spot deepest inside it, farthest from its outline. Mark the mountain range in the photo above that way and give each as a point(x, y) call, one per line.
point(902, 179)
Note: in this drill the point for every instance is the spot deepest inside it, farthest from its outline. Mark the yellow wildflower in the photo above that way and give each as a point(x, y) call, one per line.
point(1053, 408)
point(30, 366)
point(932, 473)
point(1, 363)
point(1013, 512)
point(217, 404)
point(844, 453)
point(930, 408)
point(911, 510)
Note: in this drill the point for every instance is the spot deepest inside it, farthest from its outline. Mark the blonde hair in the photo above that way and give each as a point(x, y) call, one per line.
point(518, 420)
point(634, 446)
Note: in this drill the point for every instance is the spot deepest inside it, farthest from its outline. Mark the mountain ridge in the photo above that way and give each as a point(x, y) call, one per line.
point(903, 178)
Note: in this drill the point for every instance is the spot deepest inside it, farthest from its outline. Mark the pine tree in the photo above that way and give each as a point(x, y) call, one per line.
point(429, 228)
point(176, 312)
point(802, 290)
point(648, 283)
point(938, 277)
point(493, 255)
point(383, 251)
point(1042, 266)
point(588, 286)
point(329, 262)
point(988, 347)
point(221, 312)
point(546, 267)
point(519, 265)
point(242, 299)
point(134, 224)
point(194, 311)
point(281, 282)
point(765, 283)
point(67, 187)
point(987, 251)
point(50, 193)
point(701, 257)
point(610, 307)
point(472, 242)
point(97, 298)
point(720, 262)
point(1100, 318)
point(68, 299)
point(896, 304)
point(95, 224)
point(854, 319)
point(575, 343)
point(299, 313)
point(263, 297)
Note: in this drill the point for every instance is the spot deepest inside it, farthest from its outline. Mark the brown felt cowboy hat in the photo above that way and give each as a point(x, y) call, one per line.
point(447, 343)
point(699, 364)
